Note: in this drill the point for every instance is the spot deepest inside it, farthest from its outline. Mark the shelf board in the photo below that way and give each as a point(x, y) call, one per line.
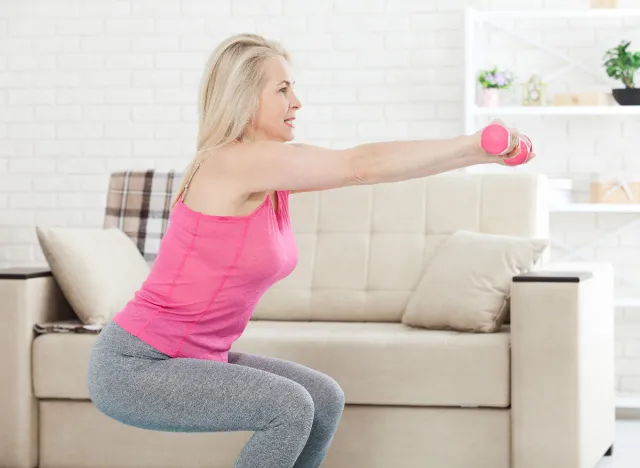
point(628, 400)
point(557, 110)
point(596, 208)
point(627, 302)
point(569, 14)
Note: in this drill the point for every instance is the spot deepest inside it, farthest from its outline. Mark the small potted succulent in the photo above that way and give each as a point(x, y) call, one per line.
point(492, 81)
point(622, 64)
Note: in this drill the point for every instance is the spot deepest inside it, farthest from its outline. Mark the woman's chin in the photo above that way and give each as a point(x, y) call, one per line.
point(287, 135)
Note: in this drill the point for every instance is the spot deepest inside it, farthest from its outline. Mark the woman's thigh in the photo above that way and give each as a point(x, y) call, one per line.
point(324, 390)
point(192, 395)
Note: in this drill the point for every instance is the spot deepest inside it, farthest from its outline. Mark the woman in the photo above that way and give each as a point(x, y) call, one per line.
point(164, 362)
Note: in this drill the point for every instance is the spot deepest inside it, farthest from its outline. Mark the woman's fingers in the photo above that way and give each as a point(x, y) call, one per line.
point(516, 151)
point(514, 144)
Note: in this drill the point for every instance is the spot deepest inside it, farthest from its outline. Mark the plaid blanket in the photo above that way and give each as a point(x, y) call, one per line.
point(139, 203)
point(66, 326)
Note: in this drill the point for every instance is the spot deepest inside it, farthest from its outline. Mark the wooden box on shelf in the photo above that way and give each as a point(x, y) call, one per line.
point(614, 192)
point(583, 99)
point(604, 3)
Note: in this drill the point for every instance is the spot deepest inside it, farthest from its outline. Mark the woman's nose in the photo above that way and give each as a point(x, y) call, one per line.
point(295, 103)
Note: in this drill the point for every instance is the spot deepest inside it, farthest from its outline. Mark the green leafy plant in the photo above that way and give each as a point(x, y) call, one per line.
point(494, 78)
point(621, 64)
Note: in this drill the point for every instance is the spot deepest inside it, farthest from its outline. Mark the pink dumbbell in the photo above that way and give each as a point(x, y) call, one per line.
point(498, 140)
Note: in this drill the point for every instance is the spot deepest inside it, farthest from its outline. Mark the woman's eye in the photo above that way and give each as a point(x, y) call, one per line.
point(283, 89)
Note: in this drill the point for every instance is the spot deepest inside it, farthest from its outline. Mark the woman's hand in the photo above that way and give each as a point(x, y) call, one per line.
point(514, 148)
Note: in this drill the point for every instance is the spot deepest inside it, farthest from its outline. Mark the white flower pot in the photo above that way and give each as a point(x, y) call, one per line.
point(490, 97)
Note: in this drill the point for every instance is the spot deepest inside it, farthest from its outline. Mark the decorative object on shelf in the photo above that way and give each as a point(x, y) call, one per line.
point(622, 64)
point(617, 191)
point(583, 99)
point(560, 192)
point(604, 3)
point(492, 81)
point(534, 92)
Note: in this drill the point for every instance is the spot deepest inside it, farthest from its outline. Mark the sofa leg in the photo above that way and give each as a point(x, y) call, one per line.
point(609, 452)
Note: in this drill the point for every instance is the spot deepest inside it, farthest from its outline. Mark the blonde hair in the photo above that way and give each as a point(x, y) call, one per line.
point(229, 92)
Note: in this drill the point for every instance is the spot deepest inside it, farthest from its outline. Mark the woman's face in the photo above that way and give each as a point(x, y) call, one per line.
point(277, 106)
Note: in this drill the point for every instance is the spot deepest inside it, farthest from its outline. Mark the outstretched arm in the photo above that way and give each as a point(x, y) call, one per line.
point(264, 165)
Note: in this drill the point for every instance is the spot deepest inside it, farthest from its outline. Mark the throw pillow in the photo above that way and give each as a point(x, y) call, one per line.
point(98, 270)
point(466, 286)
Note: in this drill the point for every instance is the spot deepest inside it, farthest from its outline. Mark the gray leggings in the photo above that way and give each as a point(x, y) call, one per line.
point(294, 410)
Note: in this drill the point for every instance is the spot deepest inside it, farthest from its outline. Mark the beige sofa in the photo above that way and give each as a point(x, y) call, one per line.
point(536, 394)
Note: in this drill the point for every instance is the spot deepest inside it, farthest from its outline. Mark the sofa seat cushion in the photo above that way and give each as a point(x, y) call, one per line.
point(374, 363)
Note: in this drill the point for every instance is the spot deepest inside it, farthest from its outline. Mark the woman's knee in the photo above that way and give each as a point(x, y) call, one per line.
point(297, 408)
point(328, 395)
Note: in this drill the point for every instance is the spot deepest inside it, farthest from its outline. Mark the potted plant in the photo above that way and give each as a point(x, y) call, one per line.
point(492, 81)
point(622, 64)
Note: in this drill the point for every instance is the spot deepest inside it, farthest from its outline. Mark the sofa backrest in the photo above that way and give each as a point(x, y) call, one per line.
point(362, 249)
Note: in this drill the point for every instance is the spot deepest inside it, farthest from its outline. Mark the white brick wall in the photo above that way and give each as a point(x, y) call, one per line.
point(87, 88)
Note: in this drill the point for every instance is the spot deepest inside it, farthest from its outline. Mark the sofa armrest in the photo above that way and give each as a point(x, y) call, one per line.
point(27, 296)
point(562, 365)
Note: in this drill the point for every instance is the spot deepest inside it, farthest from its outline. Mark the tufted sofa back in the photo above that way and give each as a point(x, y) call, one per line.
point(362, 249)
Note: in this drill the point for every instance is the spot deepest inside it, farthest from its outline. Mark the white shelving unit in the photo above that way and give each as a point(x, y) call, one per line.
point(473, 19)
point(477, 20)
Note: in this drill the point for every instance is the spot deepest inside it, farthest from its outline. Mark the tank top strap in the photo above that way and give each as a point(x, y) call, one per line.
point(188, 183)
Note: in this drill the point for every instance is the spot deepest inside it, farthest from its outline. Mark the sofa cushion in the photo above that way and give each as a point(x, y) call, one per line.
point(375, 363)
point(98, 270)
point(467, 284)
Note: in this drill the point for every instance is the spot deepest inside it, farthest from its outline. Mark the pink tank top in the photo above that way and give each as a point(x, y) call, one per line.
point(208, 276)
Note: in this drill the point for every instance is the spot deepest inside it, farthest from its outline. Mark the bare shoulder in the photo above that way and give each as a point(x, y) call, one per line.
point(232, 162)
point(238, 156)
point(237, 163)
point(211, 190)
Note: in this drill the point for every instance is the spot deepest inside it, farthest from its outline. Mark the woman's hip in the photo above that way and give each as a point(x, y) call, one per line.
point(114, 340)
point(116, 361)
